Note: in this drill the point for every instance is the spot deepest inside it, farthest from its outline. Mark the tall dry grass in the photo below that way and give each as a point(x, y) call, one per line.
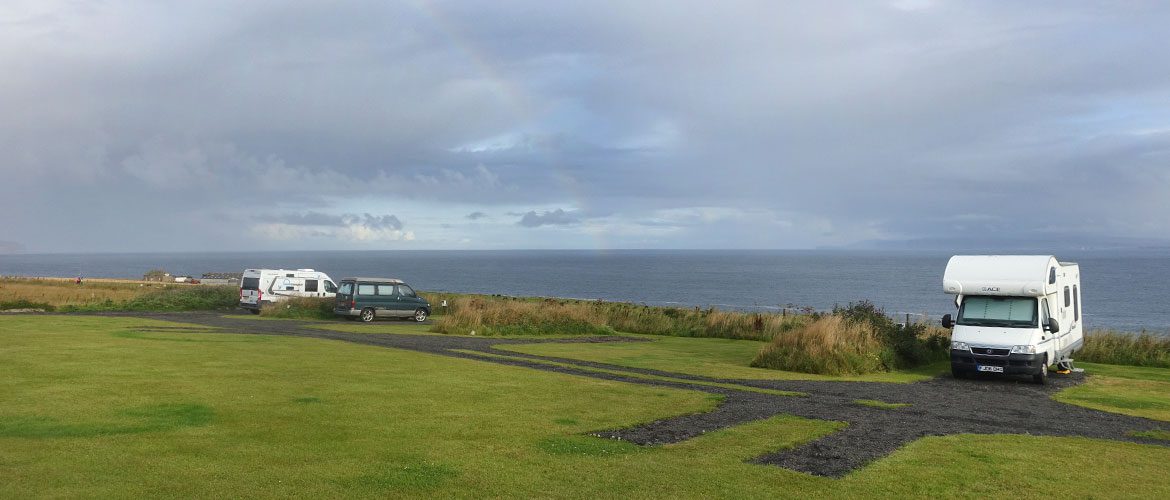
point(482, 316)
point(830, 345)
point(1123, 348)
point(57, 293)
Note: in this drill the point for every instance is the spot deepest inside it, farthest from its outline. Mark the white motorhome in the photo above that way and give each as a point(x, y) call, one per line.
point(1018, 314)
point(266, 286)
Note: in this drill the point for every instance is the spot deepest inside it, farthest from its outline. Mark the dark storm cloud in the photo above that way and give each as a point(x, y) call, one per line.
point(557, 217)
point(829, 122)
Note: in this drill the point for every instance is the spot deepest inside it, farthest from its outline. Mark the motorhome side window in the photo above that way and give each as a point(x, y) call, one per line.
point(366, 289)
point(1076, 305)
point(406, 291)
point(310, 285)
point(1067, 297)
point(1052, 276)
point(981, 310)
point(330, 287)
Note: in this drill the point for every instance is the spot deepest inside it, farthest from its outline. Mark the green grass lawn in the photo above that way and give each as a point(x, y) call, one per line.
point(1131, 390)
point(709, 357)
point(89, 407)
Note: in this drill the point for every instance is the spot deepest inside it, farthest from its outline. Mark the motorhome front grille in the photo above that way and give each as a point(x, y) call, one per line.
point(990, 351)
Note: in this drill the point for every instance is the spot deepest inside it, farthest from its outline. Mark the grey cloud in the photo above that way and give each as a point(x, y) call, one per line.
point(375, 221)
point(558, 217)
point(475, 215)
point(330, 220)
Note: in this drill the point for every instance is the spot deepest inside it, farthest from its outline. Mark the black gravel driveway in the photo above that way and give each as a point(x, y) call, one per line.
point(939, 406)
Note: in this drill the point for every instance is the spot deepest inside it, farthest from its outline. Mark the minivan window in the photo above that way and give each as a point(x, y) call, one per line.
point(310, 285)
point(250, 284)
point(346, 288)
point(364, 289)
point(984, 310)
point(405, 291)
point(385, 289)
point(330, 287)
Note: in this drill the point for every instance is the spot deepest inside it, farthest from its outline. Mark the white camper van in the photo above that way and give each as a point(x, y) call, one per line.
point(1018, 314)
point(265, 286)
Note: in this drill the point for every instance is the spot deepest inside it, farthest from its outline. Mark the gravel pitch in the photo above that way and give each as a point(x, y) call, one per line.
point(939, 406)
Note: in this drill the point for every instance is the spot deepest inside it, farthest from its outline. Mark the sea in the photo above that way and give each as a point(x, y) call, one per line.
point(1121, 290)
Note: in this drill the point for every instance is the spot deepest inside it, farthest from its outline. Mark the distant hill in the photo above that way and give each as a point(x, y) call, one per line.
point(11, 247)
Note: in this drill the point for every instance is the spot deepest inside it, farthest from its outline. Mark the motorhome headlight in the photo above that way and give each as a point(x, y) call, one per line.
point(960, 346)
point(1024, 349)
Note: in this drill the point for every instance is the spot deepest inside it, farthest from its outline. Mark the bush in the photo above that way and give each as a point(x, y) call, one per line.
point(301, 308)
point(831, 345)
point(1120, 348)
point(853, 340)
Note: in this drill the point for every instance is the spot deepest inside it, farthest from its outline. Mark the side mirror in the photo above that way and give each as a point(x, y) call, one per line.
point(947, 322)
point(1052, 326)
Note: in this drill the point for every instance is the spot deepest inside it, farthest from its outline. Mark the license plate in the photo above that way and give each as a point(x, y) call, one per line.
point(985, 368)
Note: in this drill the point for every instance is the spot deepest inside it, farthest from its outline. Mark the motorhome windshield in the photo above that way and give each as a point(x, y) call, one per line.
point(980, 310)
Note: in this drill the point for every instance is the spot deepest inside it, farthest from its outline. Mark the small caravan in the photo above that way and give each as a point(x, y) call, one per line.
point(1017, 314)
point(266, 286)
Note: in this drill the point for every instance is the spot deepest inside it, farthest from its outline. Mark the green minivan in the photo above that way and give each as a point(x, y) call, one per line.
point(370, 298)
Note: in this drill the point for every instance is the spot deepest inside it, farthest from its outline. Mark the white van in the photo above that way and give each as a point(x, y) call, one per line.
point(1018, 314)
point(266, 286)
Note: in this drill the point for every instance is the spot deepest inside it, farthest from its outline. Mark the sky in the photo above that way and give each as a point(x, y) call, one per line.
point(304, 125)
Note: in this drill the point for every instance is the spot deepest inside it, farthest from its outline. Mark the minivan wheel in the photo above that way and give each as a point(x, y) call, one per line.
point(367, 315)
point(958, 372)
point(1042, 377)
point(420, 315)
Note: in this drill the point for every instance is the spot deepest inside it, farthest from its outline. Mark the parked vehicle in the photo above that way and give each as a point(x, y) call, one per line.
point(266, 286)
point(1018, 314)
point(370, 298)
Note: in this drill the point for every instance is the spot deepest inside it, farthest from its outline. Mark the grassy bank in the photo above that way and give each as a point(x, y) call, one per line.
point(477, 312)
point(55, 294)
point(1121, 348)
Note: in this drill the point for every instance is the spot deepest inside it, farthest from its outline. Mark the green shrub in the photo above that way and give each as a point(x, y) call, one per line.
point(25, 304)
point(1121, 348)
point(301, 308)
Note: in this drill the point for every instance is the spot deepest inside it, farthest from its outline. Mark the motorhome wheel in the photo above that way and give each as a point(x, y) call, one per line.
point(1042, 377)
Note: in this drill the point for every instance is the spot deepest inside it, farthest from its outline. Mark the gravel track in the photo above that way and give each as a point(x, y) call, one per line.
point(939, 406)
